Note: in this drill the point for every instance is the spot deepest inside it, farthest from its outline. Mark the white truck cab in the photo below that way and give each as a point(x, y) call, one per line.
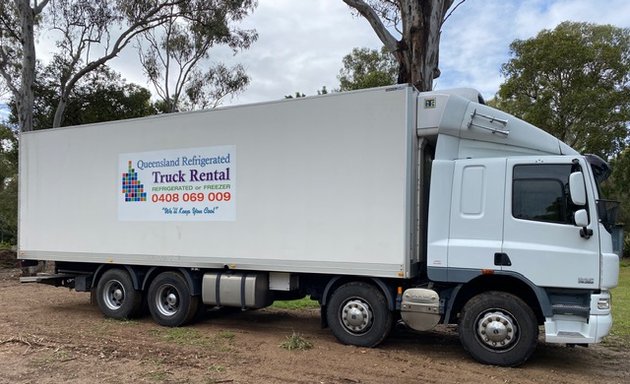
point(512, 205)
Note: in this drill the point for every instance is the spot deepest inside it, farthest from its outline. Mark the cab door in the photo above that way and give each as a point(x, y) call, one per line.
point(540, 239)
point(476, 217)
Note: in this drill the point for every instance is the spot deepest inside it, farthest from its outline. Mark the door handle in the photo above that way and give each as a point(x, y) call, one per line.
point(502, 259)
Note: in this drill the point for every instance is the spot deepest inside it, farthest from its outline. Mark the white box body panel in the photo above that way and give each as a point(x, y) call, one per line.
point(320, 185)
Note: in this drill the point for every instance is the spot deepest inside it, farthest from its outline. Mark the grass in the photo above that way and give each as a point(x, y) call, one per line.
point(621, 305)
point(184, 336)
point(121, 321)
point(157, 376)
point(221, 341)
point(216, 368)
point(305, 303)
point(51, 358)
point(227, 335)
point(296, 342)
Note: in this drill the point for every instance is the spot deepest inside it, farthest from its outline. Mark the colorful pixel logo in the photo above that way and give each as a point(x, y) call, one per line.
point(131, 187)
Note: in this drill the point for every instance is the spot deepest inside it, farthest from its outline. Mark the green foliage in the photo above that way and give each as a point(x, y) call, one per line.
point(102, 95)
point(617, 188)
point(621, 305)
point(174, 54)
point(367, 68)
point(296, 342)
point(320, 92)
point(297, 95)
point(574, 82)
point(8, 185)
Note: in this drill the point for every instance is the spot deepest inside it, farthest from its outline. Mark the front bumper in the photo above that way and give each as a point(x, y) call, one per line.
point(571, 329)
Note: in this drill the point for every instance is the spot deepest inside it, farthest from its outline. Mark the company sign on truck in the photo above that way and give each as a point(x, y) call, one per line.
point(192, 184)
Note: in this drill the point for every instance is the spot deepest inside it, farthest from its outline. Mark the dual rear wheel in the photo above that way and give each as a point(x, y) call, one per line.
point(169, 298)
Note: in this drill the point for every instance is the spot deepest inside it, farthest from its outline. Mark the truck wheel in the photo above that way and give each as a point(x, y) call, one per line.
point(170, 301)
point(357, 314)
point(498, 328)
point(116, 296)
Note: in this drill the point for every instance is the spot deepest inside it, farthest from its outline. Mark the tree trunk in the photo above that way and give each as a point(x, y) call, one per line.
point(26, 97)
point(418, 49)
point(422, 22)
point(59, 112)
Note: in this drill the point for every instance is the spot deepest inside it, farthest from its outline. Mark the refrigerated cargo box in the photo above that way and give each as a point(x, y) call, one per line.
point(278, 186)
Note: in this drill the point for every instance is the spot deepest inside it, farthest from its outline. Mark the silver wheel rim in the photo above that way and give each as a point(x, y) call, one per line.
point(114, 295)
point(167, 300)
point(497, 330)
point(356, 316)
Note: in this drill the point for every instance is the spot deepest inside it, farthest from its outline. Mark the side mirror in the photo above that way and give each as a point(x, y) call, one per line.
point(577, 189)
point(581, 220)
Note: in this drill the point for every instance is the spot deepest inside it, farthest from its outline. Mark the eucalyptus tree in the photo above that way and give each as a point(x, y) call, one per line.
point(86, 34)
point(410, 30)
point(574, 82)
point(174, 54)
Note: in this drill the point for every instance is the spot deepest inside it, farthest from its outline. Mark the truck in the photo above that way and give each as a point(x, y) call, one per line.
point(385, 205)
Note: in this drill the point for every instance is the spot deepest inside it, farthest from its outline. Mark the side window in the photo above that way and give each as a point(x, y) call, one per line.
point(540, 192)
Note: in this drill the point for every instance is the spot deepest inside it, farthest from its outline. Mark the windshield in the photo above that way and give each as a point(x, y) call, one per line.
point(606, 209)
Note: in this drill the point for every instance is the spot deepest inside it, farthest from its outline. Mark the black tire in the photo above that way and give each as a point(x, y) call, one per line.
point(169, 300)
point(357, 314)
point(498, 328)
point(116, 296)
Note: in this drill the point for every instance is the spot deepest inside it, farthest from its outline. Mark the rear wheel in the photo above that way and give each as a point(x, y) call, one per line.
point(498, 328)
point(170, 301)
point(357, 314)
point(116, 296)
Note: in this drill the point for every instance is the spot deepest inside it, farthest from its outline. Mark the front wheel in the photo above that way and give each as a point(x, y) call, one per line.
point(357, 314)
point(498, 328)
point(170, 301)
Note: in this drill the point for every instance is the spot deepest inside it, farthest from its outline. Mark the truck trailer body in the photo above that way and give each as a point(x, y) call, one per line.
point(381, 204)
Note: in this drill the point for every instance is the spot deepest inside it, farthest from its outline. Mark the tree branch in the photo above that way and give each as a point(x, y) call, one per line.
point(452, 10)
point(388, 40)
point(140, 26)
point(40, 7)
point(7, 77)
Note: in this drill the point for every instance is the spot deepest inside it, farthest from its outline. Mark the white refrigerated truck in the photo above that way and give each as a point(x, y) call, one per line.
point(384, 205)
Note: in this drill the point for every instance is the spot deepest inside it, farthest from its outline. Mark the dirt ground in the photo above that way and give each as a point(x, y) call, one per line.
point(52, 335)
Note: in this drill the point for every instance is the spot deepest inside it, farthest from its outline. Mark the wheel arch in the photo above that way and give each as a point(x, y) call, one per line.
point(135, 274)
point(193, 278)
point(515, 284)
point(338, 281)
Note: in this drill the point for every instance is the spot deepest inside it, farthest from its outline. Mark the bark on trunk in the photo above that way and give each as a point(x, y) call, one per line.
point(26, 97)
point(417, 51)
point(59, 112)
point(422, 23)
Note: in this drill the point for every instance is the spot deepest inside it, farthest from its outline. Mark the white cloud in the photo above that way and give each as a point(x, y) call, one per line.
point(302, 42)
point(300, 46)
point(475, 40)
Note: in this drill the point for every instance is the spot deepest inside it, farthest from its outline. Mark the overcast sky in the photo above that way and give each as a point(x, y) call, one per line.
point(302, 42)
